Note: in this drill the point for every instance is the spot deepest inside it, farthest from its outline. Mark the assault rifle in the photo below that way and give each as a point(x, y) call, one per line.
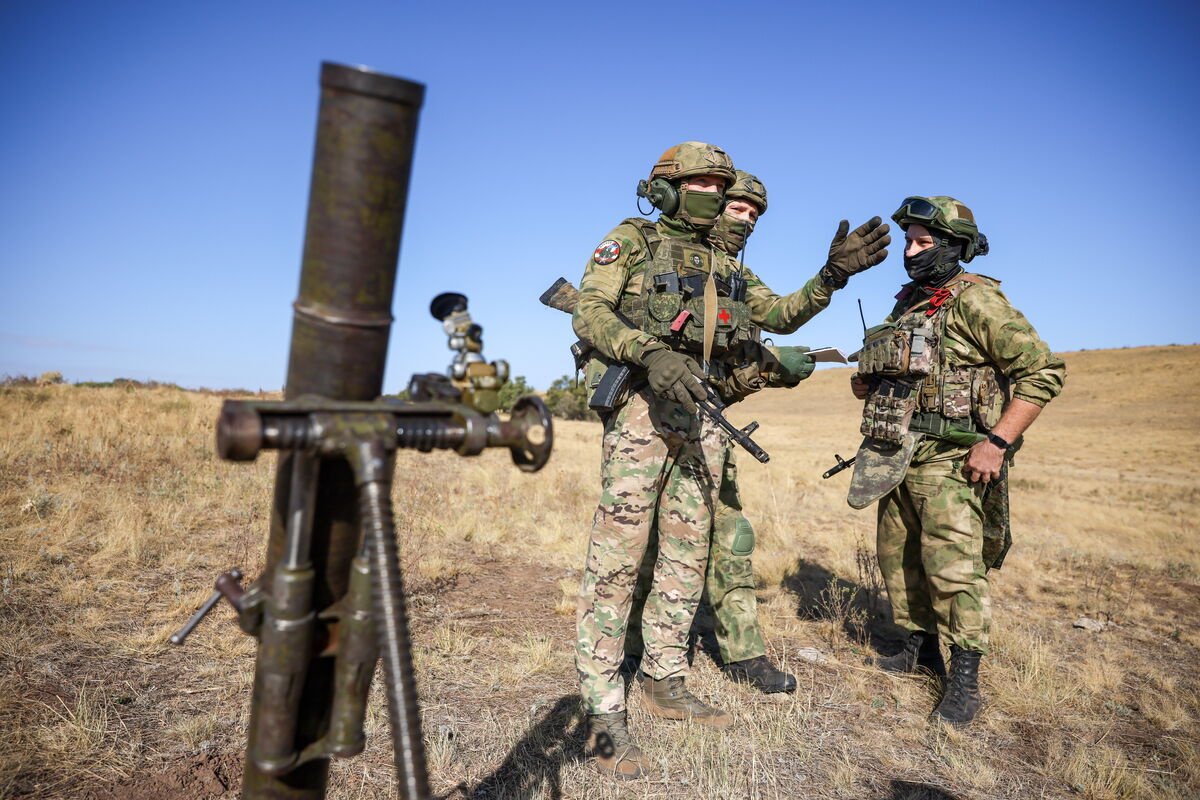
point(330, 601)
point(563, 296)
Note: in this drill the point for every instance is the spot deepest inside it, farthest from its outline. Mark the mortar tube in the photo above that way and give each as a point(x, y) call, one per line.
point(366, 133)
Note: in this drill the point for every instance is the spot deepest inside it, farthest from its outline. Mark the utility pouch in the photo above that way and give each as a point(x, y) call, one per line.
point(921, 352)
point(888, 411)
point(662, 305)
point(987, 398)
point(956, 393)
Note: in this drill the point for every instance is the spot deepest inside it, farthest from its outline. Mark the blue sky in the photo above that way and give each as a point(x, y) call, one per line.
point(156, 156)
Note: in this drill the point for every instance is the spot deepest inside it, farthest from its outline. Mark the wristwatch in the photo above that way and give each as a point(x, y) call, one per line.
point(996, 440)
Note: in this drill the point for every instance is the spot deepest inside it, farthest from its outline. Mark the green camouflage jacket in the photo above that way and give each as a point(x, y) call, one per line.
point(618, 267)
point(982, 327)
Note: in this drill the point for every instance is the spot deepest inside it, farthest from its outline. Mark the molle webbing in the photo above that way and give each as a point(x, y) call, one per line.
point(632, 306)
point(678, 297)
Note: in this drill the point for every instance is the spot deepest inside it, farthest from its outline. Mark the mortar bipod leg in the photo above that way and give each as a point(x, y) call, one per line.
point(285, 640)
point(372, 464)
point(356, 657)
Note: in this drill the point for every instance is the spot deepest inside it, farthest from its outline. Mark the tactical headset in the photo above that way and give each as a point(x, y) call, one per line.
point(661, 194)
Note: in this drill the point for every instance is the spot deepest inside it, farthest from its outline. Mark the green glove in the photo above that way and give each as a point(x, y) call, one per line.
point(676, 377)
point(856, 252)
point(796, 364)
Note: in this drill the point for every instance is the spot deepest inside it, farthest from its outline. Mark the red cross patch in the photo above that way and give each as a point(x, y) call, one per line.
point(724, 316)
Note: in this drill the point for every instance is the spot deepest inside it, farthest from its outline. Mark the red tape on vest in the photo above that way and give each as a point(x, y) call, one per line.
point(937, 300)
point(680, 321)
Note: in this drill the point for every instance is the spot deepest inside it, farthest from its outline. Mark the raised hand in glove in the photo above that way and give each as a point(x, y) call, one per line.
point(674, 376)
point(860, 250)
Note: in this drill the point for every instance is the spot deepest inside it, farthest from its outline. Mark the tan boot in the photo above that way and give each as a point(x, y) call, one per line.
point(668, 698)
point(615, 753)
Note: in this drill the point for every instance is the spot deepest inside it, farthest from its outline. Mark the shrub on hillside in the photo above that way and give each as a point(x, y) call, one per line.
point(568, 399)
point(513, 391)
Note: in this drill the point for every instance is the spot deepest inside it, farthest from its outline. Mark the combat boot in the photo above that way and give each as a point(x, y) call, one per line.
point(760, 673)
point(921, 653)
point(610, 744)
point(668, 698)
point(961, 701)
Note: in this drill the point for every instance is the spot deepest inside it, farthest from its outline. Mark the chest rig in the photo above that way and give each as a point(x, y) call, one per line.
point(671, 302)
point(913, 388)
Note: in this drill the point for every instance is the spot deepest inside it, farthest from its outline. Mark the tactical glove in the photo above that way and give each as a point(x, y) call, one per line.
point(861, 250)
point(676, 377)
point(796, 364)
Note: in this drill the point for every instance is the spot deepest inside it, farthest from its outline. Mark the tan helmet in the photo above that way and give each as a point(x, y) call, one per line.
point(748, 187)
point(693, 158)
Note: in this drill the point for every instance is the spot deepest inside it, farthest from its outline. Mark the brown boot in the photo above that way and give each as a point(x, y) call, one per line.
point(668, 698)
point(615, 753)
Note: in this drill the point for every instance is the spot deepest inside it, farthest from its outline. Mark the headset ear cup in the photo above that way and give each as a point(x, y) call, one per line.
point(664, 196)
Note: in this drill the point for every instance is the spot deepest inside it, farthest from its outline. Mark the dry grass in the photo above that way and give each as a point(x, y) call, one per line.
point(115, 516)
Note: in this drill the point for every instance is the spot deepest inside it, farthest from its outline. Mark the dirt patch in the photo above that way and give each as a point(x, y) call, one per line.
point(498, 600)
point(202, 777)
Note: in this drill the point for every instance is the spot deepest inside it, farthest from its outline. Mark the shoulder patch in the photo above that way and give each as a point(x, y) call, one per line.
point(607, 252)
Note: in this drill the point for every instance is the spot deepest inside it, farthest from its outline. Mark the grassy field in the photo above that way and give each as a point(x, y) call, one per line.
point(115, 516)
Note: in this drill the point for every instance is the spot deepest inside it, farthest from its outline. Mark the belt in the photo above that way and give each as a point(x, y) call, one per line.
point(957, 431)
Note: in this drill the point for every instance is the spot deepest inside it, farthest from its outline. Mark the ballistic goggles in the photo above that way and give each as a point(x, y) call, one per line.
point(917, 208)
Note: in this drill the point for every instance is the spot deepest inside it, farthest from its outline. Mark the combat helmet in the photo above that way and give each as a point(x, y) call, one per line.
point(748, 187)
point(693, 158)
point(665, 187)
point(947, 215)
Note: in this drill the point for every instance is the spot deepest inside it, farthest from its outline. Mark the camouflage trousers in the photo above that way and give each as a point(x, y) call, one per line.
point(728, 582)
point(657, 460)
point(930, 546)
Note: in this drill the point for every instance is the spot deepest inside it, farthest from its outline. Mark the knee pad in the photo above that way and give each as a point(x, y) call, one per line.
point(743, 537)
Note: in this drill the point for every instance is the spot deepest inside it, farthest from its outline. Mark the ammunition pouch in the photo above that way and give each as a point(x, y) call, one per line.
point(889, 411)
point(890, 350)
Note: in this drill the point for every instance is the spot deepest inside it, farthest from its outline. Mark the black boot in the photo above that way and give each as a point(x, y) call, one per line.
point(921, 653)
point(961, 701)
point(760, 673)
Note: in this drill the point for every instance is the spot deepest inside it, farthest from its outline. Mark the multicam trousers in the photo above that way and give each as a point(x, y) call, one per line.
point(930, 546)
point(657, 460)
point(728, 582)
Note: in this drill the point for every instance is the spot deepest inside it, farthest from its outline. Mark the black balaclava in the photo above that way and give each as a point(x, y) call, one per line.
point(938, 264)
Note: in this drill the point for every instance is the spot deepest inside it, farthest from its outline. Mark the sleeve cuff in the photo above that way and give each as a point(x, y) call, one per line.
point(1039, 400)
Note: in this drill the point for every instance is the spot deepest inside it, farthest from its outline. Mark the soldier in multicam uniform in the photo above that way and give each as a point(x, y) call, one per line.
point(655, 295)
point(729, 581)
point(951, 381)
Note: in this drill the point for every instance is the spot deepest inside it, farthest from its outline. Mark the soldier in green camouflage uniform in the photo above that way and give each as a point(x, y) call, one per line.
point(657, 296)
point(729, 581)
point(951, 381)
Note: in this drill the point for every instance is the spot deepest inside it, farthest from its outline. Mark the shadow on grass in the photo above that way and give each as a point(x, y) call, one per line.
point(533, 768)
point(911, 790)
point(861, 611)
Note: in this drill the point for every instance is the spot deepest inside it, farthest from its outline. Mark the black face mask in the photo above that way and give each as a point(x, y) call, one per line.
point(936, 265)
